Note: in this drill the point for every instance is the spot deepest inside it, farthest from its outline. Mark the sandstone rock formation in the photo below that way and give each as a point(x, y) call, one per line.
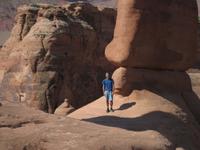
point(56, 52)
point(153, 93)
point(64, 108)
point(8, 11)
point(160, 102)
point(164, 37)
point(147, 115)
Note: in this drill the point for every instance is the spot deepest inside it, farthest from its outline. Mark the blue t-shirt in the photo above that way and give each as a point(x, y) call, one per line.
point(108, 84)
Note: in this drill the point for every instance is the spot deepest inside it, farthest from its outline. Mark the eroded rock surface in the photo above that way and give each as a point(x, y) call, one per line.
point(64, 109)
point(8, 11)
point(56, 52)
point(161, 37)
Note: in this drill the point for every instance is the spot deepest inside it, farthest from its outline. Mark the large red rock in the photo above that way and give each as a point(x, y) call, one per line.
point(155, 34)
point(128, 79)
point(55, 53)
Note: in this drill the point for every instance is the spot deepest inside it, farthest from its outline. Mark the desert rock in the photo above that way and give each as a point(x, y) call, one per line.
point(56, 52)
point(25, 128)
point(155, 37)
point(150, 101)
point(8, 11)
point(152, 48)
point(64, 108)
point(155, 108)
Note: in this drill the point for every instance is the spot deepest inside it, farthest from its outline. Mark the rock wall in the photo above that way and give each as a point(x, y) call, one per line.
point(56, 52)
point(8, 11)
point(153, 46)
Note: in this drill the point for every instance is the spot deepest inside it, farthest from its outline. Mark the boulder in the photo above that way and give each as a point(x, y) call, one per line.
point(128, 79)
point(155, 34)
point(64, 108)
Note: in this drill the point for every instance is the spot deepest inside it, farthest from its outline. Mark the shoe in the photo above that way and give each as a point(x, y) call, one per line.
point(107, 110)
point(111, 110)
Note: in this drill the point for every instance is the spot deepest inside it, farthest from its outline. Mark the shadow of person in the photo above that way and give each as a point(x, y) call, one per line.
point(126, 106)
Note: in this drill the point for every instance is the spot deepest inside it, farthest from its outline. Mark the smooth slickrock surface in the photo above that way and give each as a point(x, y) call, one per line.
point(23, 128)
point(152, 101)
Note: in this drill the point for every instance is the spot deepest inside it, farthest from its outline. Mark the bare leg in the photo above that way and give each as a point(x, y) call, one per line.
point(107, 103)
point(111, 106)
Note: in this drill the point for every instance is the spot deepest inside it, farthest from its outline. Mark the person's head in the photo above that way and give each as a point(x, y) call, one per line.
point(107, 75)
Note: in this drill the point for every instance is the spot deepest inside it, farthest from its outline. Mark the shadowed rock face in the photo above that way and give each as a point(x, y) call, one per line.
point(56, 53)
point(155, 34)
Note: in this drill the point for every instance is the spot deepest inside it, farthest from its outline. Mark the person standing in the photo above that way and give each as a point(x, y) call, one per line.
point(108, 88)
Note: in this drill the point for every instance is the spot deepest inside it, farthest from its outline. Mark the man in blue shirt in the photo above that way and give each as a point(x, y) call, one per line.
point(108, 87)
